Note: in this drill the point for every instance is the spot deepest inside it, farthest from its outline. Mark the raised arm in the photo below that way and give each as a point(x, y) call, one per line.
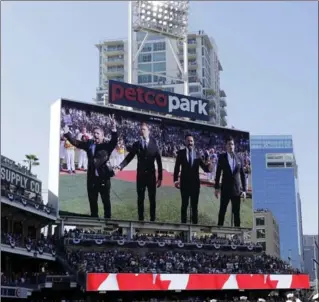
point(76, 143)
point(110, 145)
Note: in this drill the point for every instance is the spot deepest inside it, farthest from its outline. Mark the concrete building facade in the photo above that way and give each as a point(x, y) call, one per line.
point(156, 67)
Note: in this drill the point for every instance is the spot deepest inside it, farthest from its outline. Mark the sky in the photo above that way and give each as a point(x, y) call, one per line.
point(268, 50)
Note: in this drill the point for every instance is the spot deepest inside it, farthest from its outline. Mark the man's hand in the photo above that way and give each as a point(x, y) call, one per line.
point(217, 193)
point(116, 170)
point(177, 184)
point(112, 122)
point(243, 195)
point(158, 183)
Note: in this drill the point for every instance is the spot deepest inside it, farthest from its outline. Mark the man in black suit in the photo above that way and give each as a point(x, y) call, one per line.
point(233, 185)
point(147, 153)
point(99, 172)
point(189, 161)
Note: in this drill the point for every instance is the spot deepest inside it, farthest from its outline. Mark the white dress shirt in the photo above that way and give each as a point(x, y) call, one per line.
point(231, 161)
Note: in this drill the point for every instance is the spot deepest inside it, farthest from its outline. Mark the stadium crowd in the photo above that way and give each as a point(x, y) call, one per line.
point(40, 245)
point(154, 237)
point(133, 261)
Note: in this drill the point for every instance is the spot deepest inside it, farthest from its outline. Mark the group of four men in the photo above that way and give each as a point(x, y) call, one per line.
point(186, 173)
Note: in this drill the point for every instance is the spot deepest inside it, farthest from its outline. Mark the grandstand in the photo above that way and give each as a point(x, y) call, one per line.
point(89, 259)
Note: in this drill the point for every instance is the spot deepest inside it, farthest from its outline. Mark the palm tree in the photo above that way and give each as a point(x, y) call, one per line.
point(31, 160)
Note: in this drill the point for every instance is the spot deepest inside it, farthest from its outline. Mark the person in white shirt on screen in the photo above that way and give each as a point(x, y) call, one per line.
point(62, 151)
point(83, 159)
point(119, 152)
point(70, 152)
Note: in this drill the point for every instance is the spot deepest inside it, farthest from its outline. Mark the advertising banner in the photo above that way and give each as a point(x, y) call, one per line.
point(158, 101)
point(164, 282)
point(125, 165)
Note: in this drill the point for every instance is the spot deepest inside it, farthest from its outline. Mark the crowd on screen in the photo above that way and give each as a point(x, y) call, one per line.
point(170, 138)
point(135, 261)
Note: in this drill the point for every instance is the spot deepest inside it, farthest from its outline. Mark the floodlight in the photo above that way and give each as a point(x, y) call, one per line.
point(168, 18)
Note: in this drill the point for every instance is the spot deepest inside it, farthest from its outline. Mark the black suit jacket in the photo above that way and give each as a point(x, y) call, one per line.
point(98, 159)
point(145, 158)
point(233, 183)
point(189, 174)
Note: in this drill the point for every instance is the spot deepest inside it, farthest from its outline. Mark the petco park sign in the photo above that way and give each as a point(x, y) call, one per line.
point(157, 100)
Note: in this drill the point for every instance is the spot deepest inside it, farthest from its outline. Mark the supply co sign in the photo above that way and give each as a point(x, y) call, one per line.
point(157, 100)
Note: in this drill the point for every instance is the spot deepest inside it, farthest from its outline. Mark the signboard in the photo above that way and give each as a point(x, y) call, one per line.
point(21, 180)
point(164, 282)
point(158, 101)
point(14, 292)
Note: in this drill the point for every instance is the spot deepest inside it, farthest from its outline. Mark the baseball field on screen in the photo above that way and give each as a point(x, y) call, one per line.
point(73, 198)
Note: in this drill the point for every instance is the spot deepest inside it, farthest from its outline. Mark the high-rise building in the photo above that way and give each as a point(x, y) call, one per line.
point(275, 187)
point(310, 252)
point(156, 67)
point(266, 232)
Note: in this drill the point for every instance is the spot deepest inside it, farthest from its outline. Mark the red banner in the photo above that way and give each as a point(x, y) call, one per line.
point(163, 282)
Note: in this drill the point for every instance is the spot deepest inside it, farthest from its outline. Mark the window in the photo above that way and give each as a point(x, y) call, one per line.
point(145, 67)
point(159, 56)
point(275, 165)
point(159, 79)
point(158, 67)
point(144, 79)
point(145, 58)
point(263, 245)
point(159, 46)
point(193, 88)
point(169, 89)
point(289, 165)
point(146, 48)
point(260, 221)
point(261, 234)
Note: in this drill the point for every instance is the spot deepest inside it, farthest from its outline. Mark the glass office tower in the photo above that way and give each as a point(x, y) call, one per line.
point(275, 187)
point(310, 252)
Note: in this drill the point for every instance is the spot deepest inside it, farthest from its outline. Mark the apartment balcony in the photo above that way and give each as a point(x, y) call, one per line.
point(113, 50)
point(220, 67)
point(194, 79)
point(209, 92)
point(222, 94)
point(222, 102)
point(191, 43)
point(223, 122)
point(192, 54)
point(223, 112)
point(114, 61)
point(212, 104)
point(212, 112)
point(192, 65)
point(212, 121)
point(114, 72)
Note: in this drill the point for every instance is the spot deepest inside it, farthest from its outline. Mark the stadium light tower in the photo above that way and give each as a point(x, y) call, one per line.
point(167, 18)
